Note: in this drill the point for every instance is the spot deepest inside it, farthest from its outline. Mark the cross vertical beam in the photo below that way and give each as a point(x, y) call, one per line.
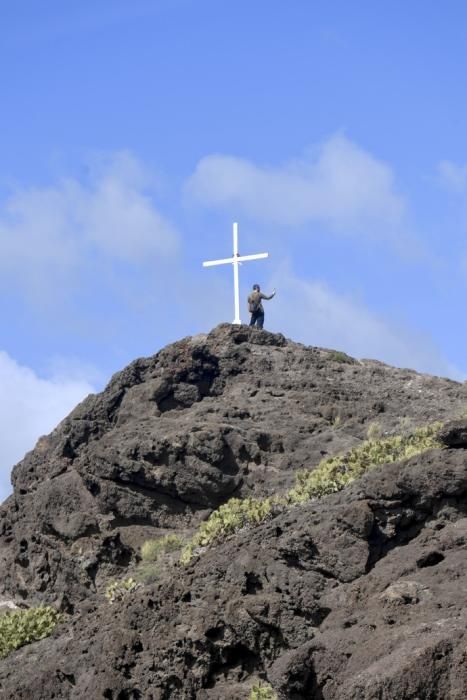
point(237, 319)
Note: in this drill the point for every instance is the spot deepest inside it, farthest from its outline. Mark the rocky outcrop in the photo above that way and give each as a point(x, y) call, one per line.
point(454, 433)
point(358, 595)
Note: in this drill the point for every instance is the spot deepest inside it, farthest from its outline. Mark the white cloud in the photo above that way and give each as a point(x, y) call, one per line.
point(453, 176)
point(48, 234)
point(320, 316)
point(30, 407)
point(119, 217)
point(339, 185)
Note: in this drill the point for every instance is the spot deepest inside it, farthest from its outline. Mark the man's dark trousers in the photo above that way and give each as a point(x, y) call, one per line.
point(257, 319)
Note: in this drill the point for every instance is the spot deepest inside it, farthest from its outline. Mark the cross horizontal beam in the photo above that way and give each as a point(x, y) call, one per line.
point(238, 259)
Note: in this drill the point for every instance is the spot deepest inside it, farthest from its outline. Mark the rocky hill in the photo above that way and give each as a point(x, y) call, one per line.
point(357, 594)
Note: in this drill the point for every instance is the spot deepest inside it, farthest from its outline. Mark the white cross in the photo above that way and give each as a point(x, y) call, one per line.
point(235, 260)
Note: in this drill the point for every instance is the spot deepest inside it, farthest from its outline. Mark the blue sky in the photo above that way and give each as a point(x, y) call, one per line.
point(133, 133)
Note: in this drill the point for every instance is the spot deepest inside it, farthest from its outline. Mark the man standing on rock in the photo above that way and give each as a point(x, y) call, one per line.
point(255, 307)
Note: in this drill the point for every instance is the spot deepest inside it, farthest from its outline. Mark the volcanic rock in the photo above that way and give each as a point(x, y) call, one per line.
point(454, 433)
point(358, 595)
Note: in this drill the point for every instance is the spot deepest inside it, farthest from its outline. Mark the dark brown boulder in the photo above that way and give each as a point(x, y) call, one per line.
point(454, 433)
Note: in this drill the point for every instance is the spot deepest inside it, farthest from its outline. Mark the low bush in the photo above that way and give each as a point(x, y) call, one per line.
point(148, 572)
point(262, 692)
point(152, 549)
point(333, 473)
point(117, 590)
point(336, 422)
point(149, 568)
point(227, 519)
point(24, 626)
point(374, 431)
point(338, 356)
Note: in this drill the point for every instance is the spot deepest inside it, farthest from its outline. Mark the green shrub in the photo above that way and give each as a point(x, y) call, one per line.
point(338, 356)
point(117, 590)
point(227, 519)
point(152, 549)
point(335, 423)
point(333, 473)
point(262, 692)
point(148, 571)
point(149, 568)
point(24, 626)
point(374, 431)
